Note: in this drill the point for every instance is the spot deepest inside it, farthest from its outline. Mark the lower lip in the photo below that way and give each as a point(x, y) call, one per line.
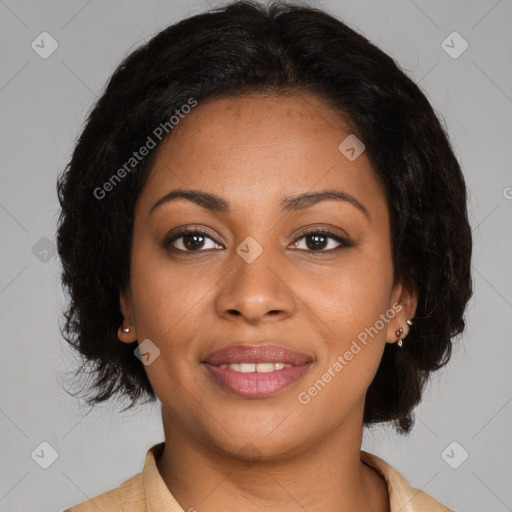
point(256, 385)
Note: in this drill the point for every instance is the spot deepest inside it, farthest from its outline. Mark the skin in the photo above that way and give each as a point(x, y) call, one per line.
point(223, 451)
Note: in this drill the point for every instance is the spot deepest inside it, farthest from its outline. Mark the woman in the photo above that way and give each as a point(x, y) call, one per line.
point(264, 226)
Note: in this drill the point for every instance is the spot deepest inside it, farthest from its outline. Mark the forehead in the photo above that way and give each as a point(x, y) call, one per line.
point(258, 148)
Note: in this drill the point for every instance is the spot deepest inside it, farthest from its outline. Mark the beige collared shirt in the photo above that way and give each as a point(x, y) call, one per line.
point(147, 492)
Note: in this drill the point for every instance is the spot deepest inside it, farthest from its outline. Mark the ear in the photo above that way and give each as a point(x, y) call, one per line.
point(404, 301)
point(126, 307)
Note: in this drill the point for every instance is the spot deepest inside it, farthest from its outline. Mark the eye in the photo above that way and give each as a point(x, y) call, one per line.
point(190, 240)
point(318, 241)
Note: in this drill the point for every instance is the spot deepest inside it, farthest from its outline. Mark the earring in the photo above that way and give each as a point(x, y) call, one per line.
point(125, 330)
point(398, 334)
point(400, 331)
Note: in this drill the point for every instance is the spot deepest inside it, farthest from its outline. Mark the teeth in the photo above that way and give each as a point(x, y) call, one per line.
point(247, 367)
point(267, 367)
point(253, 367)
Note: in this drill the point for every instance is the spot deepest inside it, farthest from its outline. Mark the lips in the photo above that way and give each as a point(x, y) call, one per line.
point(255, 384)
point(256, 354)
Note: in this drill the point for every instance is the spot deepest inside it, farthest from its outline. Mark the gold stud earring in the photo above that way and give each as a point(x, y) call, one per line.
point(408, 322)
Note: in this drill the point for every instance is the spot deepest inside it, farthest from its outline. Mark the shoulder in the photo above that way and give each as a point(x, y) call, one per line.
point(131, 495)
point(128, 496)
point(403, 497)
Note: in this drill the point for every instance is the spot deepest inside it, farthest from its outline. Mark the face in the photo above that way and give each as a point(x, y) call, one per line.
point(259, 268)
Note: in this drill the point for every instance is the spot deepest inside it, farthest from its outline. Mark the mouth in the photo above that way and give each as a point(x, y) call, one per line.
point(256, 371)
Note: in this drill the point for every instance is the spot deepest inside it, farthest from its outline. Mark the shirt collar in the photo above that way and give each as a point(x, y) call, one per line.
point(157, 495)
point(403, 497)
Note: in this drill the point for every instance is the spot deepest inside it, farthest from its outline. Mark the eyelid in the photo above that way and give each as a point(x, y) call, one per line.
point(323, 228)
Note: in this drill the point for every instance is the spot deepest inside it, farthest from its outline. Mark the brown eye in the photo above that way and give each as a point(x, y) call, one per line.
point(318, 241)
point(190, 241)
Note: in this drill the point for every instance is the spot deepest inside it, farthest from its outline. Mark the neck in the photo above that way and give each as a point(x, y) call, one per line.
point(326, 476)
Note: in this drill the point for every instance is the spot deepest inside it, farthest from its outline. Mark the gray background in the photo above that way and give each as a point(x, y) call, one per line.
point(43, 105)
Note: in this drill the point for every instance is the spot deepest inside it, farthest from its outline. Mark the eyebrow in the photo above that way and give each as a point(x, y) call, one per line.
point(291, 203)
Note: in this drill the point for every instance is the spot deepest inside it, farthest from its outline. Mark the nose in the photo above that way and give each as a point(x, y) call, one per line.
point(257, 292)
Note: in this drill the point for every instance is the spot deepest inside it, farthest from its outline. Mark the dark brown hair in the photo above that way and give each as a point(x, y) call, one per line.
point(247, 47)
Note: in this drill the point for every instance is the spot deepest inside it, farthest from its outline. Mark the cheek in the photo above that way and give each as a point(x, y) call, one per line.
point(352, 309)
point(164, 296)
point(169, 310)
point(352, 297)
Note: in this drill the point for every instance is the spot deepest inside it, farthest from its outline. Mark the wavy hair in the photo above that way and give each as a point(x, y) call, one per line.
point(241, 48)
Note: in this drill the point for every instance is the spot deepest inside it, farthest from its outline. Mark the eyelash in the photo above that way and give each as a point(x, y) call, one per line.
point(344, 242)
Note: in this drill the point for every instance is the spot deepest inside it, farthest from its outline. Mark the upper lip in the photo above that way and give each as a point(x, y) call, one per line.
point(256, 354)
